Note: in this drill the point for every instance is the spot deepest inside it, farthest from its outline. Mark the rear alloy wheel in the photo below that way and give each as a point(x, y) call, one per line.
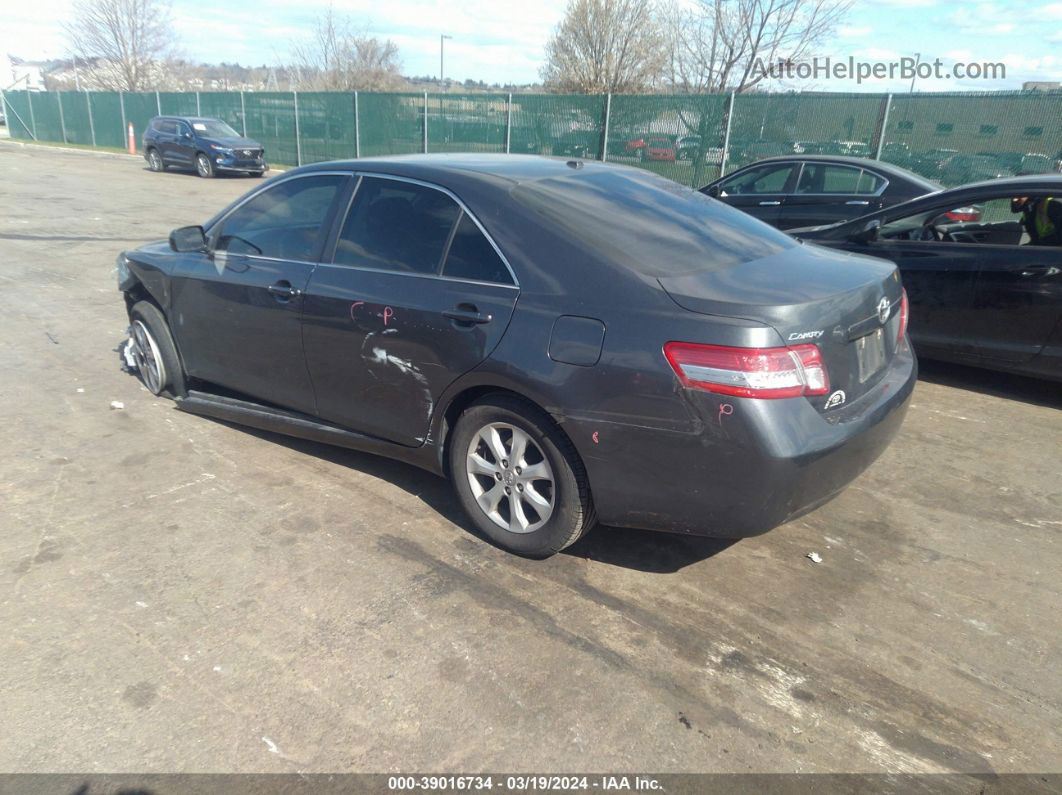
point(519, 478)
point(203, 166)
point(155, 160)
point(510, 478)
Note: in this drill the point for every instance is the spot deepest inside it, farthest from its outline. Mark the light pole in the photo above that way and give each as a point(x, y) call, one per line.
point(918, 60)
point(442, 37)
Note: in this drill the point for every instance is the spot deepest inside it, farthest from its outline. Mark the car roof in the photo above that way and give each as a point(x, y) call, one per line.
point(188, 118)
point(480, 168)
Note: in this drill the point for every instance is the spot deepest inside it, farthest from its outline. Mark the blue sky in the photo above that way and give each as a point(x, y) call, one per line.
point(502, 40)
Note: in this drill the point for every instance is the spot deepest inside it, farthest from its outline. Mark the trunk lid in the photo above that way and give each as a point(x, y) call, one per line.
point(848, 305)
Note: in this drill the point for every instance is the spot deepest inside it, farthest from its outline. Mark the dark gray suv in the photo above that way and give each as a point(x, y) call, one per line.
point(207, 146)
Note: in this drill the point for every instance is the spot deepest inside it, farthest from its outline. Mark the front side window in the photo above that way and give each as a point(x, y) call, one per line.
point(283, 222)
point(1002, 221)
point(762, 179)
point(396, 226)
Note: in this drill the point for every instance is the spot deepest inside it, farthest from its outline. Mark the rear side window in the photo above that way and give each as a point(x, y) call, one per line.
point(471, 256)
point(396, 226)
point(283, 222)
point(821, 178)
point(869, 183)
point(166, 126)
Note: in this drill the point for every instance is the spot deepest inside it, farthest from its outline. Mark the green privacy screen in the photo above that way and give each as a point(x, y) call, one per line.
point(953, 138)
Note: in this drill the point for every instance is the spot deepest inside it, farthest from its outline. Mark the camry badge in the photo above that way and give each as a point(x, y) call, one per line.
point(883, 310)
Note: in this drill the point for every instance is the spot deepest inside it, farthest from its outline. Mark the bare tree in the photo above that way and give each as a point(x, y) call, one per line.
point(719, 45)
point(606, 46)
point(336, 57)
point(126, 40)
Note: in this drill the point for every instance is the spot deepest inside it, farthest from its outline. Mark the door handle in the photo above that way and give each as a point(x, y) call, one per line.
point(468, 316)
point(858, 203)
point(283, 291)
point(769, 204)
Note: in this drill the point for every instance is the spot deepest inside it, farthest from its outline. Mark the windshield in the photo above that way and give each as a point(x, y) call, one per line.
point(650, 224)
point(213, 128)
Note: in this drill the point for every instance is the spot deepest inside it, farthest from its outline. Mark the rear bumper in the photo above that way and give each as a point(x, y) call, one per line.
point(744, 471)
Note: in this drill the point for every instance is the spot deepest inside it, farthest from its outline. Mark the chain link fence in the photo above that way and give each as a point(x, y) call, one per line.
point(953, 138)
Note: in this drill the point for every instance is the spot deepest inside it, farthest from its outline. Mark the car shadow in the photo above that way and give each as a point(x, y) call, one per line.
point(639, 550)
point(192, 173)
point(628, 548)
point(1035, 391)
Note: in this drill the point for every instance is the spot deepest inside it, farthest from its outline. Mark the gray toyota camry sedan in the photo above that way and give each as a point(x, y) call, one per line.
point(569, 342)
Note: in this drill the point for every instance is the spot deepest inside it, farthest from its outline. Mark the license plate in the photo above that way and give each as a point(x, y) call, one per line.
point(870, 351)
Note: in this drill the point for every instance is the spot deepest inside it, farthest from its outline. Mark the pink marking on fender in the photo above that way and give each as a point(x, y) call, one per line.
point(354, 306)
point(388, 313)
point(594, 437)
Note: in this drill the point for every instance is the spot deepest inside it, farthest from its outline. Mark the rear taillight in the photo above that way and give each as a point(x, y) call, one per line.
point(964, 214)
point(903, 319)
point(750, 372)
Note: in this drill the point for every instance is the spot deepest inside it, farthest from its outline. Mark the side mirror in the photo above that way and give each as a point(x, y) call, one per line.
point(713, 191)
point(188, 239)
point(868, 234)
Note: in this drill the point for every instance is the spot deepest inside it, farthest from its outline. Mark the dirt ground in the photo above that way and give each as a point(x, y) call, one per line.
point(179, 594)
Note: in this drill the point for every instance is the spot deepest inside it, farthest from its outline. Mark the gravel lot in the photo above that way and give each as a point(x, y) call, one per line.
point(178, 594)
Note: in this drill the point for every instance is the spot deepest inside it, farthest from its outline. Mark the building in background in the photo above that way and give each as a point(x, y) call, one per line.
point(1040, 85)
point(25, 75)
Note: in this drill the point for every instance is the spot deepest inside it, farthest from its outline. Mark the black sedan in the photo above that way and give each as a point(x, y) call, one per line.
point(806, 190)
point(567, 341)
point(983, 267)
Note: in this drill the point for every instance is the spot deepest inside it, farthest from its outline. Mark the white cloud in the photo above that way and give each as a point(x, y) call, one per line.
point(850, 32)
point(1051, 11)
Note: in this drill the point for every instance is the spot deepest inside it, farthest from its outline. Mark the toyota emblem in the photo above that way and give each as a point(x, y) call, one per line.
point(883, 310)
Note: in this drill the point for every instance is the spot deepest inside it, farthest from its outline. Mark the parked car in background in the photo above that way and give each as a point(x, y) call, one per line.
point(1031, 162)
point(898, 153)
point(426, 308)
point(980, 294)
point(204, 145)
point(577, 143)
point(687, 146)
point(928, 163)
point(659, 147)
point(634, 146)
point(745, 152)
point(962, 169)
point(806, 190)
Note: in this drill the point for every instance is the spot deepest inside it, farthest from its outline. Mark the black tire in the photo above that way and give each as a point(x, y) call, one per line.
point(204, 166)
point(170, 376)
point(572, 510)
point(155, 162)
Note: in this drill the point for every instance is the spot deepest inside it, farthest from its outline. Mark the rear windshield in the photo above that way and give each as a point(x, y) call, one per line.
point(650, 224)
